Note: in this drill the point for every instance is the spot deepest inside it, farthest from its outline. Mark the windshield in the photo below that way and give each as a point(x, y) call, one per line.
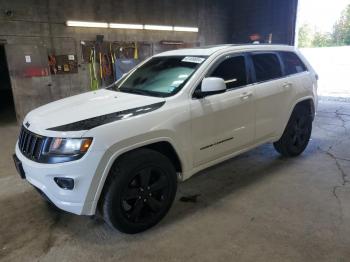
point(160, 76)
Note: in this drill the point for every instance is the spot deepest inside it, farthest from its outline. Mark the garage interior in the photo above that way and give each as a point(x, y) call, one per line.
point(7, 107)
point(255, 207)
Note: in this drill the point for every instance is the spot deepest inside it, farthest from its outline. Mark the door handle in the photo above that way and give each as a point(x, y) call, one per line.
point(246, 95)
point(286, 85)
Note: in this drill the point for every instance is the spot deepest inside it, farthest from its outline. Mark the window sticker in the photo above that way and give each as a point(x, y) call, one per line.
point(193, 59)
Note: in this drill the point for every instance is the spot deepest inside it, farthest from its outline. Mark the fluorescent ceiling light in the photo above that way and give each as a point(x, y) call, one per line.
point(159, 27)
point(125, 26)
point(87, 24)
point(131, 26)
point(185, 29)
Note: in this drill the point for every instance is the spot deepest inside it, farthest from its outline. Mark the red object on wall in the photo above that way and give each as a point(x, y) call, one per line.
point(254, 37)
point(36, 72)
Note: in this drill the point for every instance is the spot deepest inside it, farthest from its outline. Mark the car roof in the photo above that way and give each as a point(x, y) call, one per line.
point(209, 50)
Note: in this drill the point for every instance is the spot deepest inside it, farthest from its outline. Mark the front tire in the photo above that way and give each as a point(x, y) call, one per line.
point(297, 134)
point(140, 190)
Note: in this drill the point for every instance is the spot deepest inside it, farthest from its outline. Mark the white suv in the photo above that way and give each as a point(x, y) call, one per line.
point(122, 149)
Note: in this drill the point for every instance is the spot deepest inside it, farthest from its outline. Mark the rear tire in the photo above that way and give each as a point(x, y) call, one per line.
point(140, 190)
point(297, 134)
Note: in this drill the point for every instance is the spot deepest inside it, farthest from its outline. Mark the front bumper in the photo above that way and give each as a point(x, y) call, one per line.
point(78, 200)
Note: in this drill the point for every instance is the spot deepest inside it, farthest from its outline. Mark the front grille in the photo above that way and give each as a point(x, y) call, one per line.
point(30, 144)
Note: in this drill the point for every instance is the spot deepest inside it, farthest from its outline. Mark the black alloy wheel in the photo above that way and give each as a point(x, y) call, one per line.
point(297, 133)
point(146, 195)
point(139, 191)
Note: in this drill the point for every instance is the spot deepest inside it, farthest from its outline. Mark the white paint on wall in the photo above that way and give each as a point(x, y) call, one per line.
point(28, 59)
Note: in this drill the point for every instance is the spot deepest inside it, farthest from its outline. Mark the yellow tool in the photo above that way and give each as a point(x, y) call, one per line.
point(113, 60)
point(93, 78)
point(101, 66)
point(110, 50)
point(136, 53)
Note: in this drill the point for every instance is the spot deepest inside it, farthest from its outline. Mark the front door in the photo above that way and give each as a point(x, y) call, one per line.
point(224, 123)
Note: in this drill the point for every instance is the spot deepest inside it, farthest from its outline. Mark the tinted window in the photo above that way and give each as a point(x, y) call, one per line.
point(233, 71)
point(292, 63)
point(267, 66)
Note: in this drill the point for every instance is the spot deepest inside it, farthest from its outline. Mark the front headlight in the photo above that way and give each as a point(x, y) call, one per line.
point(68, 146)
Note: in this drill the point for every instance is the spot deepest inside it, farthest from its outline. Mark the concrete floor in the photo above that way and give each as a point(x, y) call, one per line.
point(255, 207)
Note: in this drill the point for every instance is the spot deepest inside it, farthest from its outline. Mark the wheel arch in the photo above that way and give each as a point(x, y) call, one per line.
point(307, 102)
point(162, 145)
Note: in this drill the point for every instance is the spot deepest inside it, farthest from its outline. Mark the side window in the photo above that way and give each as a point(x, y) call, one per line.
point(292, 63)
point(233, 71)
point(267, 67)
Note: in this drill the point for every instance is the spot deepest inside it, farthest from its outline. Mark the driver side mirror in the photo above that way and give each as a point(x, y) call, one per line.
point(210, 86)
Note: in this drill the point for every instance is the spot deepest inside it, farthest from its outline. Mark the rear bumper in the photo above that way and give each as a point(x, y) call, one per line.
point(42, 176)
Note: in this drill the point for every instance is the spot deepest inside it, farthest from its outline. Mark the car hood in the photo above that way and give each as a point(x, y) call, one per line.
point(84, 106)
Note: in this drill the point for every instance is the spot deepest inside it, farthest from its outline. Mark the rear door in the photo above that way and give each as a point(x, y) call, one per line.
point(272, 93)
point(296, 73)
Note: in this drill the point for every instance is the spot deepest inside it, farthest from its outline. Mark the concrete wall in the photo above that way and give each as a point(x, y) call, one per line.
point(38, 27)
point(40, 24)
point(276, 17)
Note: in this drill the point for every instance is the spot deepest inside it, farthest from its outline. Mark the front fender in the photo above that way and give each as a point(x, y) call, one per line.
point(116, 150)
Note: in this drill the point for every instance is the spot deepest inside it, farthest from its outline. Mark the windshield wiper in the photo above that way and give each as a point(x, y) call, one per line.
point(135, 91)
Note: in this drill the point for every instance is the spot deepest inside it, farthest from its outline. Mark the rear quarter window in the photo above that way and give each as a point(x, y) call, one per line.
point(267, 66)
point(292, 63)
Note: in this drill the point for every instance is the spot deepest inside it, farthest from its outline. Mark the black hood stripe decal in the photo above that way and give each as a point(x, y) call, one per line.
point(105, 119)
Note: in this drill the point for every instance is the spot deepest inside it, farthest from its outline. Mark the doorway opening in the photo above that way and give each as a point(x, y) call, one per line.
point(7, 107)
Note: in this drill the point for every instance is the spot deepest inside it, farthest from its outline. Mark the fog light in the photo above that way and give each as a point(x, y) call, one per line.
point(64, 182)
